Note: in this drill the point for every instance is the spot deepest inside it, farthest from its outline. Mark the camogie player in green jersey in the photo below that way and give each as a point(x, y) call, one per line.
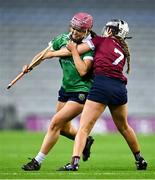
point(76, 83)
point(73, 80)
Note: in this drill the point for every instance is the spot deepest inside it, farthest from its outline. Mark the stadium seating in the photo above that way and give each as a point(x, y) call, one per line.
point(27, 26)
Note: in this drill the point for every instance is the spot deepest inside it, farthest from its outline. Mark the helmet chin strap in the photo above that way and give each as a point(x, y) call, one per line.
point(86, 33)
point(128, 37)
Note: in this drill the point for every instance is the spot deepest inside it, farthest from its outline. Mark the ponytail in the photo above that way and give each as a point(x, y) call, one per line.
point(93, 34)
point(126, 52)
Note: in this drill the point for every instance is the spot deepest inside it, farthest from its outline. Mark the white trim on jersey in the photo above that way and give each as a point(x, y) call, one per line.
point(51, 46)
point(90, 44)
point(88, 57)
point(87, 38)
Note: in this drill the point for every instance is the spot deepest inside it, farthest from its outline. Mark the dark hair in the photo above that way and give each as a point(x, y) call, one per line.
point(93, 34)
point(126, 51)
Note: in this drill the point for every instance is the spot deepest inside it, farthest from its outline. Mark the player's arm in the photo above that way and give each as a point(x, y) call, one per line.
point(82, 66)
point(41, 56)
point(37, 59)
point(50, 53)
point(82, 48)
point(44, 54)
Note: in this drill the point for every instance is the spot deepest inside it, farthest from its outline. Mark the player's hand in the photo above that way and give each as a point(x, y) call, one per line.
point(109, 32)
point(71, 46)
point(25, 69)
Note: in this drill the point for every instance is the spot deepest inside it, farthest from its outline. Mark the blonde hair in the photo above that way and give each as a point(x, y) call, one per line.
point(126, 51)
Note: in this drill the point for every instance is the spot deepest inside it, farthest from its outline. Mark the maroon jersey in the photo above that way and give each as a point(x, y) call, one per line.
point(109, 58)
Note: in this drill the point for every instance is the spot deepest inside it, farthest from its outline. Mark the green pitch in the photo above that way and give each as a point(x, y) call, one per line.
point(111, 157)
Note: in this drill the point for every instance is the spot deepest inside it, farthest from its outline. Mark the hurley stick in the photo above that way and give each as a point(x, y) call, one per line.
point(30, 67)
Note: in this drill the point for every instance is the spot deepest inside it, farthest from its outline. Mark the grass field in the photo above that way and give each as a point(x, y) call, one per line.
point(111, 157)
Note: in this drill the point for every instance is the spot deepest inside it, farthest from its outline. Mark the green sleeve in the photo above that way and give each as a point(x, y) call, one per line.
point(88, 53)
point(55, 43)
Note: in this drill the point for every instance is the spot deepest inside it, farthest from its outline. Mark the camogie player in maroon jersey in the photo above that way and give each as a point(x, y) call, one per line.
point(108, 89)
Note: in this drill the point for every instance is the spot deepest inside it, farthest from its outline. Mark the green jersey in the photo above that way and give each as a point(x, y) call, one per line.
point(72, 81)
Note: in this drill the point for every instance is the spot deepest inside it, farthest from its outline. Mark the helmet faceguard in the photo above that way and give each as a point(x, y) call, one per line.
point(118, 27)
point(82, 21)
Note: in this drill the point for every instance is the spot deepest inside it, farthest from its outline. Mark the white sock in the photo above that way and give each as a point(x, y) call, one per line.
point(40, 157)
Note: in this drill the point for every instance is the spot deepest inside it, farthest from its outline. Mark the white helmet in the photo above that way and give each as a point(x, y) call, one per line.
point(118, 27)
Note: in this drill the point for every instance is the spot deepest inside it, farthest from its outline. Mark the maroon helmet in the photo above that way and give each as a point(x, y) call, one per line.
point(82, 21)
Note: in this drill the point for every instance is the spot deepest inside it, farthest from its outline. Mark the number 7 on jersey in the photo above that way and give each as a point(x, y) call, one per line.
point(120, 58)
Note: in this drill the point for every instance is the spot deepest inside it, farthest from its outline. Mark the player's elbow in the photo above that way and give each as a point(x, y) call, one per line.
point(83, 72)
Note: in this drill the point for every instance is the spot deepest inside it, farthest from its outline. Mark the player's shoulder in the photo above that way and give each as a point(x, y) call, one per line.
point(110, 41)
point(98, 38)
point(60, 41)
point(63, 36)
point(114, 42)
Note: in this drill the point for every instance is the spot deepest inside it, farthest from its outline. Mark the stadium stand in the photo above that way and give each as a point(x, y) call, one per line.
point(27, 26)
